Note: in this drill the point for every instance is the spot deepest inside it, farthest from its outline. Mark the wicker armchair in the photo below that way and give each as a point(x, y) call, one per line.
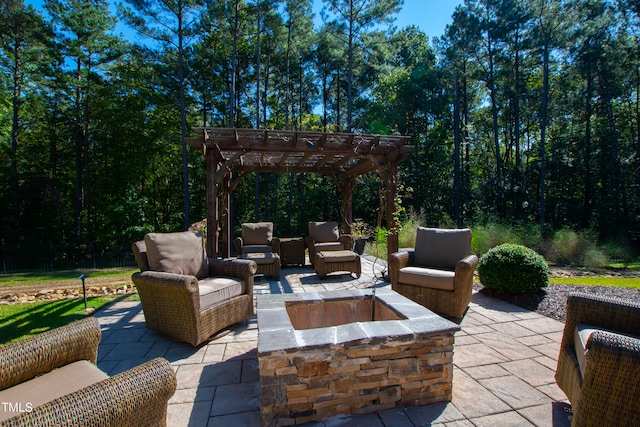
point(33, 393)
point(325, 236)
point(257, 237)
point(186, 295)
point(438, 273)
point(599, 361)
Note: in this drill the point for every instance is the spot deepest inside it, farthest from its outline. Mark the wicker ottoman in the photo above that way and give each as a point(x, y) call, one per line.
point(331, 261)
point(268, 263)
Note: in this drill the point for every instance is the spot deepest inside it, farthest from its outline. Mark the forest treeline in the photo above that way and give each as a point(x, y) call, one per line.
point(523, 111)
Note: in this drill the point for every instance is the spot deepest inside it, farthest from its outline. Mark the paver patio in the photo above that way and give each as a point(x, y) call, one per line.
point(504, 362)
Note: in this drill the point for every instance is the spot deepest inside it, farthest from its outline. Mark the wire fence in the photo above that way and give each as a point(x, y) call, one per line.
point(49, 257)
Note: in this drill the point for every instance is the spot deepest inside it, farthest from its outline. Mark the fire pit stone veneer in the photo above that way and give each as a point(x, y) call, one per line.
point(320, 355)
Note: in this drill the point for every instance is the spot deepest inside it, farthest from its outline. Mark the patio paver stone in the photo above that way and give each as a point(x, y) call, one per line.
point(504, 360)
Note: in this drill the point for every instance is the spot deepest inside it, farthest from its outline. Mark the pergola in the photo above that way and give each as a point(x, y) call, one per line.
point(233, 153)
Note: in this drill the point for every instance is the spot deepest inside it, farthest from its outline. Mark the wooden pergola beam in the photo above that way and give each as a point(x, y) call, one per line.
point(343, 156)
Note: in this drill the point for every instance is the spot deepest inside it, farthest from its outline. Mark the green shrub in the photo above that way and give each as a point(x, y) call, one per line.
point(619, 251)
point(578, 249)
point(567, 247)
point(594, 257)
point(512, 268)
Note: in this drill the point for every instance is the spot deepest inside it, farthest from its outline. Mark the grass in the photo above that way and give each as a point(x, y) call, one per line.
point(19, 321)
point(66, 277)
point(620, 282)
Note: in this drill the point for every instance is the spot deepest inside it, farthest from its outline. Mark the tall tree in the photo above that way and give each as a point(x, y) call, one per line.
point(22, 33)
point(358, 16)
point(548, 14)
point(170, 23)
point(85, 33)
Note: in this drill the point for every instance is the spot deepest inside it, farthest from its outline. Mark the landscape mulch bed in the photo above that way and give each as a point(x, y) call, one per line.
point(552, 301)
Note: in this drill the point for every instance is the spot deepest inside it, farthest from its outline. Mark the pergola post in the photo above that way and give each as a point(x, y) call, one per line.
point(212, 166)
point(347, 187)
point(392, 191)
point(226, 217)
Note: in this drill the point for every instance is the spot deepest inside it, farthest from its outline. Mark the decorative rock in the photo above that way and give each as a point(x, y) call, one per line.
point(65, 293)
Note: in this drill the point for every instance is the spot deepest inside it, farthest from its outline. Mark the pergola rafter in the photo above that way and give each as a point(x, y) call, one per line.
point(343, 156)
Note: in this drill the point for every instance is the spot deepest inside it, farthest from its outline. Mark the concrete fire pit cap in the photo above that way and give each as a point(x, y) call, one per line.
point(277, 333)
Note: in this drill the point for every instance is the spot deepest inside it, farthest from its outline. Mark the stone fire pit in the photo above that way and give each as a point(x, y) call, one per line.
point(320, 355)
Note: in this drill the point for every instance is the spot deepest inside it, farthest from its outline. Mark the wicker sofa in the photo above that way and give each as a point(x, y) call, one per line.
point(438, 273)
point(51, 380)
point(599, 361)
point(186, 295)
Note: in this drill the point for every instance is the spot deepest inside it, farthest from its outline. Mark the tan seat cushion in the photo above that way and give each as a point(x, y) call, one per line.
point(440, 248)
point(324, 231)
point(180, 253)
point(214, 290)
point(261, 258)
point(246, 249)
point(50, 386)
point(337, 256)
point(329, 246)
point(427, 277)
point(257, 233)
point(581, 336)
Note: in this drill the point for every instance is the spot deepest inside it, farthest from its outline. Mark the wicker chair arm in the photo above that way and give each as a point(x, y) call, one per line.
point(238, 243)
point(612, 373)
point(401, 259)
point(397, 261)
point(603, 312)
point(466, 265)
point(136, 397)
point(463, 278)
point(347, 241)
point(275, 245)
point(23, 360)
point(169, 282)
point(229, 267)
point(309, 241)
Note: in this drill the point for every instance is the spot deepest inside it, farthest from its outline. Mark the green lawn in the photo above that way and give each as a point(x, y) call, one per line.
point(621, 282)
point(18, 321)
point(67, 277)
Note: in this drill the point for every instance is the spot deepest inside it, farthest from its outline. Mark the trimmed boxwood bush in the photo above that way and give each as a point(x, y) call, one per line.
point(513, 269)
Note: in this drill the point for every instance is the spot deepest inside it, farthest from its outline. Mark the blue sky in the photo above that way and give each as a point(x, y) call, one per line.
point(431, 16)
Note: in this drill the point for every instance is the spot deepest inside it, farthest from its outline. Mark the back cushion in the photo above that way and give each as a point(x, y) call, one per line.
point(257, 233)
point(180, 253)
point(440, 248)
point(324, 231)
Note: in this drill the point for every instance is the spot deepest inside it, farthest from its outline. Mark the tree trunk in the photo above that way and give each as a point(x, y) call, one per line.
point(456, 133)
point(183, 122)
point(588, 190)
point(15, 128)
point(543, 129)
